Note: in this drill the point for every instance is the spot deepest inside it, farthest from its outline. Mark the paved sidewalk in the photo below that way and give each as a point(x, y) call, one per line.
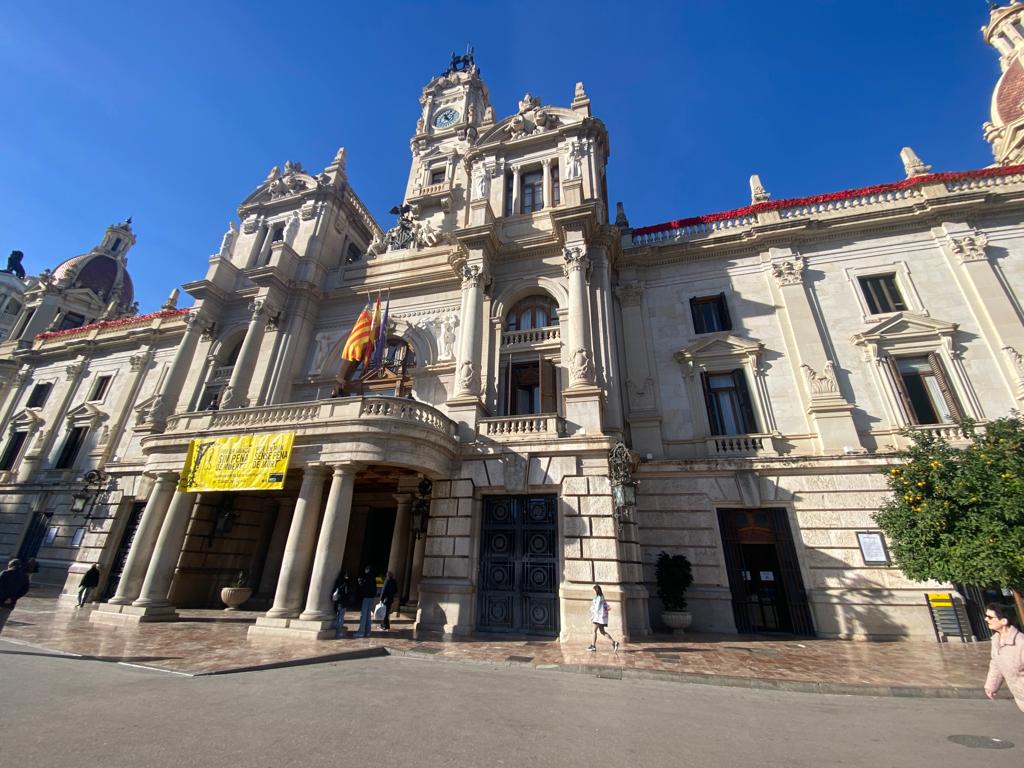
point(215, 642)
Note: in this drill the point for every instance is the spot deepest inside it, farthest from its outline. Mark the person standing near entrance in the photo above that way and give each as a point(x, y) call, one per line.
point(368, 592)
point(387, 596)
point(599, 618)
point(1007, 662)
point(13, 586)
point(90, 580)
point(341, 595)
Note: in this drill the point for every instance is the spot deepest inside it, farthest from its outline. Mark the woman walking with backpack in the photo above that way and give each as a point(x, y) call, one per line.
point(599, 617)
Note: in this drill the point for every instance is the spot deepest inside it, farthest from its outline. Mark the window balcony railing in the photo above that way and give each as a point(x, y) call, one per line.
point(548, 334)
point(742, 445)
point(223, 373)
point(544, 425)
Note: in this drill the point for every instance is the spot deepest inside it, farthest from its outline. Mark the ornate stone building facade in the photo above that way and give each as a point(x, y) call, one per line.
point(760, 363)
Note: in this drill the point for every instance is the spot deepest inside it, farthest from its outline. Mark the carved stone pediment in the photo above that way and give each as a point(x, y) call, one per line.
point(27, 420)
point(533, 120)
point(293, 180)
point(719, 345)
point(86, 414)
point(907, 326)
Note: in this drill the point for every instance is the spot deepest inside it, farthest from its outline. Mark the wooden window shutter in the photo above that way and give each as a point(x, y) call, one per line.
point(746, 407)
point(947, 391)
point(909, 414)
point(713, 418)
point(723, 313)
point(698, 322)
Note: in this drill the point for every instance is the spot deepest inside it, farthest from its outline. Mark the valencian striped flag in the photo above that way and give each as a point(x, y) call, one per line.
point(360, 338)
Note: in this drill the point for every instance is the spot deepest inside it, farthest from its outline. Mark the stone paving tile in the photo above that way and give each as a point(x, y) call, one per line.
point(212, 642)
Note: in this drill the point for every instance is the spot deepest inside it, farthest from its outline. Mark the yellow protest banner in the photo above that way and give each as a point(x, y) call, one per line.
point(237, 463)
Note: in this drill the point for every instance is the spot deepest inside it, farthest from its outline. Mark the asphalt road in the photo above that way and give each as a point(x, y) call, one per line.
point(61, 711)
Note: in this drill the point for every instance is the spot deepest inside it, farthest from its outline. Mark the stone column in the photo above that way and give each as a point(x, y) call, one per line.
point(236, 394)
point(330, 547)
point(146, 535)
point(400, 537)
point(546, 164)
point(515, 190)
point(298, 551)
point(470, 346)
point(168, 550)
point(275, 551)
point(167, 400)
point(580, 357)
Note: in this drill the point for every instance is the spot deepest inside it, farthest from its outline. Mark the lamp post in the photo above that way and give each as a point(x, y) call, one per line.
point(84, 500)
point(421, 508)
point(620, 464)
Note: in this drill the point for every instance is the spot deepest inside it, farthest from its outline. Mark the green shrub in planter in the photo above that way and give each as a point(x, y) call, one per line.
point(674, 576)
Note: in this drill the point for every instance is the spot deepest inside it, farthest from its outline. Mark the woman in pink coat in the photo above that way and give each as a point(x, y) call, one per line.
point(1007, 655)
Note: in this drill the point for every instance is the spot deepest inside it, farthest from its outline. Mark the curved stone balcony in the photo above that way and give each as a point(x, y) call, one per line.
point(368, 430)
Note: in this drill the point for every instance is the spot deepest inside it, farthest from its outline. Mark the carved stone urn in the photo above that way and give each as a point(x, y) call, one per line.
point(677, 621)
point(234, 597)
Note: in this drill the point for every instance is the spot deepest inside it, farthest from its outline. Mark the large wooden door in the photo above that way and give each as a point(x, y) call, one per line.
point(519, 565)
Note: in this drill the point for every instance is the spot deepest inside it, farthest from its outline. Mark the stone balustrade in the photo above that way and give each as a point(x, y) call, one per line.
point(741, 445)
point(546, 425)
point(550, 333)
point(223, 373)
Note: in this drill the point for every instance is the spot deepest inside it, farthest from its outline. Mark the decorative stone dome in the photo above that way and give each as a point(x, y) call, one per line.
point(104, 270)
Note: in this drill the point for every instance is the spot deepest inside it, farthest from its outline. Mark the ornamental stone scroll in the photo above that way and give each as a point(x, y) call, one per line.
point(823, 383)
point(789, 271)
point(969, 247)
point(575, 259)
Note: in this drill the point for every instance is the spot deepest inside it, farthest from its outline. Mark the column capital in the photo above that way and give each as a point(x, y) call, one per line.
point(789, 271)
point(345, 468)
point(575, 259)
point(969, 246)
point(474, 276)
point(630, 294)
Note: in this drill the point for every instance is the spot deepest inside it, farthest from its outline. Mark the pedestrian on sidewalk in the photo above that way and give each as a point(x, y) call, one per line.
point(599, 617)
point(367, 584)
point(1007, 654)
point(14, 585)
point(90, 580)
point(341, 595)
point(387, 596)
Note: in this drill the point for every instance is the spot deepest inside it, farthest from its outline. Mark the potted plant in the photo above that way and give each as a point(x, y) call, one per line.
point(237, 592)
point(674, 576)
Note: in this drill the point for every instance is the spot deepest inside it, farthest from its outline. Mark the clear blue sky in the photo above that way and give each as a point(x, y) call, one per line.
point(174, 112)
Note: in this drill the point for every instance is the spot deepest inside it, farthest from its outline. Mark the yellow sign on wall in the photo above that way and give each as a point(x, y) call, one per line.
point(237, 463)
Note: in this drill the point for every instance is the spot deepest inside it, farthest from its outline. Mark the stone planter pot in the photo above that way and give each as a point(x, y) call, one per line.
point(677, 621)
point(233, 597)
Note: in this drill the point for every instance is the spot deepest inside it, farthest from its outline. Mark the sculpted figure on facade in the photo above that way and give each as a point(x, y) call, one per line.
point(580, 368)
point(227, 243)
point(447, 351)
point(325, 341)
point(291, 228)
point(481, 182)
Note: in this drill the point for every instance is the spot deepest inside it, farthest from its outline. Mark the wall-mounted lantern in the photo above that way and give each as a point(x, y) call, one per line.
point(421, 508)
point(84, 500)
point(621, 463)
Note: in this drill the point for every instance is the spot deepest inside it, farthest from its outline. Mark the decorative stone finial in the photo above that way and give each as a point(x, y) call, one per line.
point(620, 216)
point(580, 100)
point(339, 158)
point(172, 300)
point(758, 194)
point(273, 174)
point(912, 164)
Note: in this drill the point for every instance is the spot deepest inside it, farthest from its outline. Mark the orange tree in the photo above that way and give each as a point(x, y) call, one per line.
point(957, 514)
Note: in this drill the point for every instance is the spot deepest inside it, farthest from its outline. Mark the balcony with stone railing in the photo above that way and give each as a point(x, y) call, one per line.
point(361, 429)
point(550, 334)
point(548, 426)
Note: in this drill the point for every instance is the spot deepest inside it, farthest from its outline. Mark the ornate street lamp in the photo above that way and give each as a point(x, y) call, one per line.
point(421, 508)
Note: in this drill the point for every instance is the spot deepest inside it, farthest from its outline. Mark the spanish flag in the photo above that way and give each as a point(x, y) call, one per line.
point(360, 337)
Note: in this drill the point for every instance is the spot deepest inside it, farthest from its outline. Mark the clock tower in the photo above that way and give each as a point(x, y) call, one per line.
point(455, 106)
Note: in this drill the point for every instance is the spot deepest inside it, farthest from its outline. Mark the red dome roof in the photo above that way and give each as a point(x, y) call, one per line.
point(99, 273)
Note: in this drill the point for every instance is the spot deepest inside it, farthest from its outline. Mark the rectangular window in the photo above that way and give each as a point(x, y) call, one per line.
point(882, 294)
point(710, 314)
point(76, 539)
point(51, 535)
point(71, 320)
point(100, 388)
point(530, 388)
point(12, 450)
point(556, 188)
point(509, 190)
point(436, 175)
point(39, 394)
point(72, 445)
point(532, 184)
point(277, 235)
point(730, 411)
point(925, 391)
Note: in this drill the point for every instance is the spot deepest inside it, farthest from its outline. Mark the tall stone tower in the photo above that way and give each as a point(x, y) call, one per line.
point(1005, 132)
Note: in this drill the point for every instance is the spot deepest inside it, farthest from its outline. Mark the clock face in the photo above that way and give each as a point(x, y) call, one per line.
point(446, 117)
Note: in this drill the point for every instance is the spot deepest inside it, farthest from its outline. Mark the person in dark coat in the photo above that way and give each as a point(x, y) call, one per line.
point(341, 596)
point(367, 583)
point(14, 585)
point(387, 596)
point(90, 580)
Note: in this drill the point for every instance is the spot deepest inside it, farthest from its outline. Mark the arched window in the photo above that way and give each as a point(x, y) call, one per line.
point(538, 311)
